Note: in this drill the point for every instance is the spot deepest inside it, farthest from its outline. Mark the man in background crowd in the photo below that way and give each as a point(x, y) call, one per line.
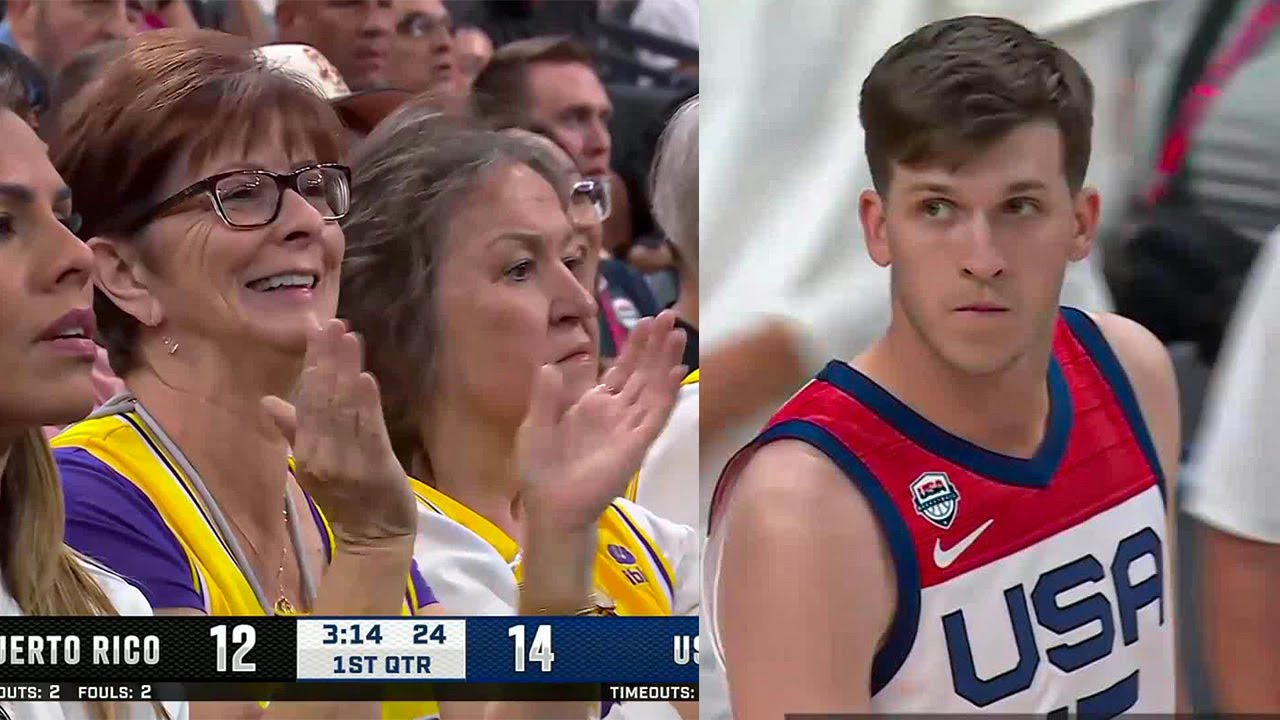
point(51, 33)
point(422, 49)
point(355, 35)
point(550, 84)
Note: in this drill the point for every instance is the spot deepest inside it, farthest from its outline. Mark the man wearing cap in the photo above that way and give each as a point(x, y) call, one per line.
point(360, 111)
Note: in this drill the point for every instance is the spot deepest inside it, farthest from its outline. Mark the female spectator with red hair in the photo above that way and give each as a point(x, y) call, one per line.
point(210, 187)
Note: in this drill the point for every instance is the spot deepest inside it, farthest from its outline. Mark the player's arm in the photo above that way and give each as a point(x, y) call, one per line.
point(1150, 371)
point(806, 587)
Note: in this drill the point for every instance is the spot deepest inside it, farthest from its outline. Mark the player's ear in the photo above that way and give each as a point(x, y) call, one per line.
point(871, 212)
point(1087, 206)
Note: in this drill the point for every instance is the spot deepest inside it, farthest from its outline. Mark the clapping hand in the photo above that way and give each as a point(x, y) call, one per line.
point(577, 454)
point(340, 444)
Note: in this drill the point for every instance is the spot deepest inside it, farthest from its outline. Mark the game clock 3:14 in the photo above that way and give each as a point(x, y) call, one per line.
point(371, 634)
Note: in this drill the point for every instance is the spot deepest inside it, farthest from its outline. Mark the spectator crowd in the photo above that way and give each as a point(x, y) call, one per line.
point(349, 307)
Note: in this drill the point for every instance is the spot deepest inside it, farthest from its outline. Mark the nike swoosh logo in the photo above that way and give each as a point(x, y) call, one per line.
point(944, 558)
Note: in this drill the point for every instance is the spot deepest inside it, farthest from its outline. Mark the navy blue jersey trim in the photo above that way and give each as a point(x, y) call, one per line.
point(1034, 472)
point(906, 618)
point(1091, 337)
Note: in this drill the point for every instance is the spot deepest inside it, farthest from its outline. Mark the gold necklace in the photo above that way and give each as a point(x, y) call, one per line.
point(283, 606)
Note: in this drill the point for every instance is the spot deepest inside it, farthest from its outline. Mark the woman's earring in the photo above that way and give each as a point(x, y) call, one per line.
point(173, 346)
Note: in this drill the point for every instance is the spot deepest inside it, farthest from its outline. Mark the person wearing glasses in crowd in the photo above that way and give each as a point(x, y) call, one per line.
point(482, 238)
point(45, 357)
point(550, 84)
point(422, 49)
point(216, 257)
point(622, 295)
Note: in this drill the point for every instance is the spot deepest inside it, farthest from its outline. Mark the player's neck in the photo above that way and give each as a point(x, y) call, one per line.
point(474, 463)
point(1005, 412)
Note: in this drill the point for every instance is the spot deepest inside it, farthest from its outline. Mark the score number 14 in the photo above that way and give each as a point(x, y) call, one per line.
point(539, 651)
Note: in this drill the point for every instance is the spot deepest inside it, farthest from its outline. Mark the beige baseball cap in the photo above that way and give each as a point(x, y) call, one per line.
point(360, 111)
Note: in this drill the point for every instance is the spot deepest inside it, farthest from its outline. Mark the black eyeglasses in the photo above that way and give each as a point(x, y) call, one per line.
point(246, 199)
point(589, 202)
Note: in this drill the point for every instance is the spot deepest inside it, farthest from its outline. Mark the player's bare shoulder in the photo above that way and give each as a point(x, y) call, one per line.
point(803, 550)
point(789, 480)
point(789, 488)
point(786, 476)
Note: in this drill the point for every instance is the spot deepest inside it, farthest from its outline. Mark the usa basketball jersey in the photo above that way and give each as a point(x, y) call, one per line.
point(1033, 585)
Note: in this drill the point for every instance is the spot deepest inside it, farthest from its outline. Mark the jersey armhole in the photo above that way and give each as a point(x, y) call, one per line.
point(1095, 345)
point(906, 618)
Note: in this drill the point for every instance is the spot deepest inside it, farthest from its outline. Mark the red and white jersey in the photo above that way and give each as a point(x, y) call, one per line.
point(1035, 585)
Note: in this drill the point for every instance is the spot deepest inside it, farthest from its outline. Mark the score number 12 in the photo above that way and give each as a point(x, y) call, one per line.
point(539, 650)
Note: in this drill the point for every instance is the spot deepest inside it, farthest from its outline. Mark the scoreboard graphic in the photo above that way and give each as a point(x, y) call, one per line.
point(312, 658)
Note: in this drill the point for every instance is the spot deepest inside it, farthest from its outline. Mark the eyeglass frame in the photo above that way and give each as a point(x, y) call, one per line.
point(132, 219)
point(428, 25)
point(585, 187)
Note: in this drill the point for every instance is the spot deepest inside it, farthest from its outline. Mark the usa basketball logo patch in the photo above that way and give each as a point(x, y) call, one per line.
point(936, 498)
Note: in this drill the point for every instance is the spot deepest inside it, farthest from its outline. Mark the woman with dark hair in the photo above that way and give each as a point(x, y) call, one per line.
point(45, 357)
point(211, 187)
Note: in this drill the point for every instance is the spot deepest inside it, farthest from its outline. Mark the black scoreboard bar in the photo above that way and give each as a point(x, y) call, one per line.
point(148, 649)
point(336, 659)
point(346, 692)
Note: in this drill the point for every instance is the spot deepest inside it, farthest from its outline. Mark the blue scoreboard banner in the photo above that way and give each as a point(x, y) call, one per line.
point(351, 658)
point(499, 649)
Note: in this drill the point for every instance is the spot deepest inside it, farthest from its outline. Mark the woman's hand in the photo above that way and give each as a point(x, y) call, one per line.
point(340, 445)
point(577, 454)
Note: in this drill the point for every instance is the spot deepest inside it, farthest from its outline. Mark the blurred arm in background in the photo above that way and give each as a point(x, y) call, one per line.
point(1237, 501)
point(245, 17)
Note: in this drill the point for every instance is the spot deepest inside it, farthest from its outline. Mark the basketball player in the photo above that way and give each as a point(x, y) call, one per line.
point(972, 515)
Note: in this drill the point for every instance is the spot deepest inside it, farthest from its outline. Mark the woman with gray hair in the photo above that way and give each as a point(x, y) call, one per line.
point(468, 272)
point(667, 482)
point(673, 189)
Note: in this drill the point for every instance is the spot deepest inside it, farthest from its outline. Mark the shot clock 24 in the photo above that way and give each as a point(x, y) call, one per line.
point(385, 649)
